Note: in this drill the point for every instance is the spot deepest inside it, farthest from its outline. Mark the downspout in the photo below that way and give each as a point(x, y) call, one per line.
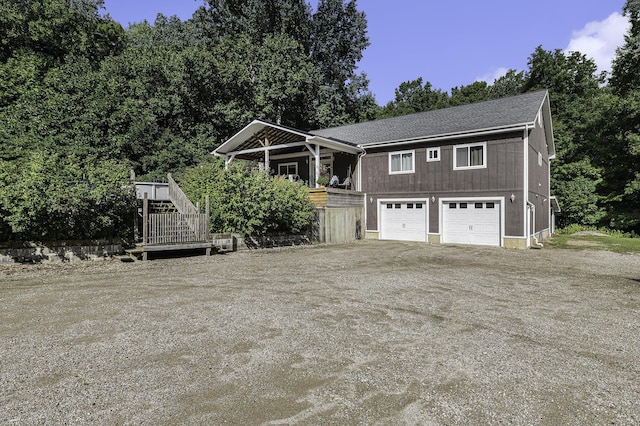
point(537, 244)
point(526, 186)
point(364, 226)
point(360, 157)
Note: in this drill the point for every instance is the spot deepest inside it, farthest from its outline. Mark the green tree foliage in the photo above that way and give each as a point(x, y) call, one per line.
point(248, 201)
point(338, 38)
point(414, 96)
point(510, 84)
point(57, 28)
point(48, 198)
point(619, 130)
point(475, 92)
point(624, 71)
point(575, 186)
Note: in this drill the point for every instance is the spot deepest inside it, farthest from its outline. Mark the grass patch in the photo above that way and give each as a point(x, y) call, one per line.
point(616, 243)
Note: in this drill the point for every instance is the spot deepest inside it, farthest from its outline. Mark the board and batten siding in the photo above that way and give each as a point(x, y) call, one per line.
point(539, 177)
point(503, 176)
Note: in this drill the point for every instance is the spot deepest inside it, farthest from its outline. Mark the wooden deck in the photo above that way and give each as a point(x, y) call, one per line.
point(186, 229)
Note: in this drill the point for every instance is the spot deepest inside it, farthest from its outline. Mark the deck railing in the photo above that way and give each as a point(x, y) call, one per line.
point(179, 199)
point(177, 228)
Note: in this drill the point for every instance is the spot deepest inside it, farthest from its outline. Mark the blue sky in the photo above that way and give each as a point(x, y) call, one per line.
point(451, 43)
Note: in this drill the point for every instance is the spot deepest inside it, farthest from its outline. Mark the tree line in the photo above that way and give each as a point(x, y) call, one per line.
point(80, 94)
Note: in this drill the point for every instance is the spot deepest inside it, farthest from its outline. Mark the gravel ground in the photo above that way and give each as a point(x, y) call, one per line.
point(365, 333)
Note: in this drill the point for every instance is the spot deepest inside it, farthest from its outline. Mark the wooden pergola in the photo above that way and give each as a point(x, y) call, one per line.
point(262, 139)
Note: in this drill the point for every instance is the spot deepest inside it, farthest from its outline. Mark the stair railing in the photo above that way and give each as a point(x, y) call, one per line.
point(179, 198)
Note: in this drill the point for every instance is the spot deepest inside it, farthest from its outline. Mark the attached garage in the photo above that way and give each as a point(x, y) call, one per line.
point(403, 220)
point(471, 222)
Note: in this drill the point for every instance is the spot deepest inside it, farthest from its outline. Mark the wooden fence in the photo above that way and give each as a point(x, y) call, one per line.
point(177, 228)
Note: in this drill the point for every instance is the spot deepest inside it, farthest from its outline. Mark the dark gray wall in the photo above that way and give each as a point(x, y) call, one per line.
point(539, 177)
point(502, 177)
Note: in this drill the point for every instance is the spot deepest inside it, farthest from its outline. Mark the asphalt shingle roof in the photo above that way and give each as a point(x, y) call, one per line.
point(504, 112)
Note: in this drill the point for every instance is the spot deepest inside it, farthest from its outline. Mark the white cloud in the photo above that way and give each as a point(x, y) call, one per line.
point(599, 39)
point(492, 76)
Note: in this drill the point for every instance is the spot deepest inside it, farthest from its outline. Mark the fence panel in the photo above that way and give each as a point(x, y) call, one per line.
point(176, 228)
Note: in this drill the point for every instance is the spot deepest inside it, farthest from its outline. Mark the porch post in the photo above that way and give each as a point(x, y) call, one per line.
point(228, 159)
point(316, 154)
point(267, 144)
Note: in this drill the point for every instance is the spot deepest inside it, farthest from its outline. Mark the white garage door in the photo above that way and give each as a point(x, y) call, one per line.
point(403, 220)
point(471, 223)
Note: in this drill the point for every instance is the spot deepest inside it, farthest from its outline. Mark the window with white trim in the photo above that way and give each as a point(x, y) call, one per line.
point(433, 154)
point(470, 156)
point(401, 162)
point(286, 169)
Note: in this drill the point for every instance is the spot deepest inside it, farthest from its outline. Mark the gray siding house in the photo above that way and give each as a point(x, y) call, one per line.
point(472, 174)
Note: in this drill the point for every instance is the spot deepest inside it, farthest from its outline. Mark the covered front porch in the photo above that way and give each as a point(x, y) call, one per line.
point(300, 156)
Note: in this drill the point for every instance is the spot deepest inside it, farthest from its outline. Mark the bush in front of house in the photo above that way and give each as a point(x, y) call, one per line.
point(46, 197)
point(246, 200)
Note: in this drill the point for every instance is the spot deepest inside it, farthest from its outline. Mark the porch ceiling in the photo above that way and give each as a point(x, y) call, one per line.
point(259, 136)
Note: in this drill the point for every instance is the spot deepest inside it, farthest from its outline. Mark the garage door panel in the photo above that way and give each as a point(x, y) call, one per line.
point(478, 223)
point(403, 221)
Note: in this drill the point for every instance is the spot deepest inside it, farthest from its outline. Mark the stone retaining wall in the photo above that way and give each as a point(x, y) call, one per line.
point(60, 252)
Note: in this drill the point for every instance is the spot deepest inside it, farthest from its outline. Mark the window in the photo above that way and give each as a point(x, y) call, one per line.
point(473, 156)
point(490, 205)
point(418, 205)
point(401, 162)
point(452, 205)
point(463, 205)
point(397, 206)
point(409, 205)
point(433, 154)
point(478, 205)
point(286, 169)
point(389, 205)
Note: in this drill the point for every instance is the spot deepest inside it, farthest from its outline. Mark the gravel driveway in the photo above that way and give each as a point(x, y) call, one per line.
point(365, 333)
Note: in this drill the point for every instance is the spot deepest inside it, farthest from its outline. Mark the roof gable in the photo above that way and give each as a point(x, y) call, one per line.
point(260, 135)
point(494, 115)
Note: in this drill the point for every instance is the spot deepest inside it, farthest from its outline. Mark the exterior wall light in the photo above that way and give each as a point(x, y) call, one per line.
point(433, 199)
point(512, 197)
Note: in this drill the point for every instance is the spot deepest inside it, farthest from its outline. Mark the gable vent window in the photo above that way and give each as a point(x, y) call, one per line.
point(433, 154)
point(472, 156)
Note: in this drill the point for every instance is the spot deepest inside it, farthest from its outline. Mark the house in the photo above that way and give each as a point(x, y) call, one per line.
point(471, 174)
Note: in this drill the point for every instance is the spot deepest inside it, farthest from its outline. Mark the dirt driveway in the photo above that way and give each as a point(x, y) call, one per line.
point(366, 333)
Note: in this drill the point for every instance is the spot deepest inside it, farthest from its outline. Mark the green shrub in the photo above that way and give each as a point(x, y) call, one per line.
point(247, 201)
point(47, 198)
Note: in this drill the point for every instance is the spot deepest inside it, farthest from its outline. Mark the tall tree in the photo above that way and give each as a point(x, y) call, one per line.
point(256, 18)
point(574, 86)
point(624, 70)
point(475, 92)
point(338, 39)
point(620, 129)
point(510, 84)
point(414, 96)
point(56, 28)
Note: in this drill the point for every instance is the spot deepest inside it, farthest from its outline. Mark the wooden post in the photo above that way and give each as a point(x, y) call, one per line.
point(145, 223)
point(207, 210)
point(145, 219)
point(267, 144)
point(316, 154)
